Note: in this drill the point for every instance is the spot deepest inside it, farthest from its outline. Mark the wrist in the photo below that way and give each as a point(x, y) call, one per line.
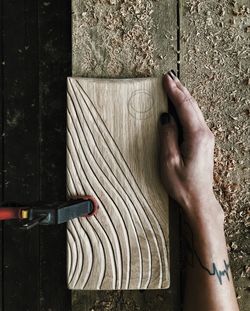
point(205, 221)
point(203, 212)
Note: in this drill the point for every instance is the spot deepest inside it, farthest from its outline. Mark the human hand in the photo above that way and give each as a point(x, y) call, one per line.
point(187, 173)
point(187, 168)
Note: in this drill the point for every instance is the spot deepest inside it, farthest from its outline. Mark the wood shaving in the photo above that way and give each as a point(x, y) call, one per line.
point(122, 29)
point(215, 66)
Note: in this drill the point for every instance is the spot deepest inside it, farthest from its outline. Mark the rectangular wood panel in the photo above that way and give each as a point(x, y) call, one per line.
point(112, 155)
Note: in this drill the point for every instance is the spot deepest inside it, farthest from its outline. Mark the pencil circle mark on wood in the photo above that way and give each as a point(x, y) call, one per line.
point(141, 104)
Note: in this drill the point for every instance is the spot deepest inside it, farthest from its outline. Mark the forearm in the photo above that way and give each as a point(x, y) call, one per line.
point(209, 284)
point(187, 173)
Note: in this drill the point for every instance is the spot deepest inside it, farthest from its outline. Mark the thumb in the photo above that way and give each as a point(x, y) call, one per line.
point(169, 147)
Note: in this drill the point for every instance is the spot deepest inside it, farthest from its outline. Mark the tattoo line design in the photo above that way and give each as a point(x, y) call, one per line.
point(215, 271)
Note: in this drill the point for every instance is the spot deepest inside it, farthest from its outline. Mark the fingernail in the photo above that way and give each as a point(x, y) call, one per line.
point(164, 118)
point(172, 74)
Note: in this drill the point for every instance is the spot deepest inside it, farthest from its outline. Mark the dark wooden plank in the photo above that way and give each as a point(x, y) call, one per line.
point(55, 66)
point(21, 150)
point(1, 152)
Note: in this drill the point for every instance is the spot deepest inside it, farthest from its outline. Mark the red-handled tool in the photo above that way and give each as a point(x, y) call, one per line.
point(49, 213)
point(7, 213)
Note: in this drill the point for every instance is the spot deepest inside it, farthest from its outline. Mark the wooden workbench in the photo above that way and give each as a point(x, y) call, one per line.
point(36, 59)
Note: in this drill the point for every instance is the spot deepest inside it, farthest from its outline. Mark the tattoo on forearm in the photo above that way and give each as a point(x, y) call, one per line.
point(219, 274)
point(215, 271)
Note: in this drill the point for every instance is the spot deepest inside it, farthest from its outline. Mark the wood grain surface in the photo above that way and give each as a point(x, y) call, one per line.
point(112, 155)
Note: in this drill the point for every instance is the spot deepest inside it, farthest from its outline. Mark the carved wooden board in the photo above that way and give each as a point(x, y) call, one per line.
point(112, 155)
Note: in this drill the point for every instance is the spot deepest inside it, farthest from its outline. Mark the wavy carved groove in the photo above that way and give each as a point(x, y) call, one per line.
point(112, 155)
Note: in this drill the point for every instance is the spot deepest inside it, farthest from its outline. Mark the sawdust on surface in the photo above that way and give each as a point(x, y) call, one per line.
point(117, 38)
point(111, 301)
point(215, 66)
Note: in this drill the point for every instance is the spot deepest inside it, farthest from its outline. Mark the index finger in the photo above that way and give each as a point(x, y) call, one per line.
point(189, 113)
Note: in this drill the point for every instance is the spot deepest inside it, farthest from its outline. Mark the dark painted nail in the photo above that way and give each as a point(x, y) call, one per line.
point(173, 72)
point(164, 118)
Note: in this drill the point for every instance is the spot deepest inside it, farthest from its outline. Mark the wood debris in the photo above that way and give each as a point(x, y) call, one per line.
point(122, 30)
point(215, 66)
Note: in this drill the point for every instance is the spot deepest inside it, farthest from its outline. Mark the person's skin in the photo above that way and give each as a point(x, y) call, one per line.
point(187, 174)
